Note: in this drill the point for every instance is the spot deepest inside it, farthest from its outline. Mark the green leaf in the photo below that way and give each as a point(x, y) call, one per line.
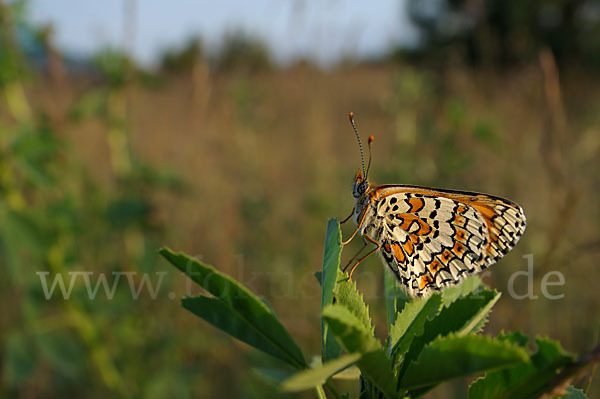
point(331, 260)
point(454, 356)
point(356, 337)
point(228, 320)
point(346, 294)
point(268, 304)
point(525, 380)
point(466, 287)
point(351, 331)
point(311, 378)
point(328, 277)
point(515, 337)
point(376, 367)
point(484, 301)
point(343, 291)
point(462, 316)
point(243, 313)
point(319, 276)
point(351, 373)
point(410, 322)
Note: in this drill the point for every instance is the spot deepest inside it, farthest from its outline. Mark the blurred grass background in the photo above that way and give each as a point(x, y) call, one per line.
point(239, 161)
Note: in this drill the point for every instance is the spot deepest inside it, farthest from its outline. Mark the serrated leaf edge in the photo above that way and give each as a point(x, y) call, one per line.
point(525, 357)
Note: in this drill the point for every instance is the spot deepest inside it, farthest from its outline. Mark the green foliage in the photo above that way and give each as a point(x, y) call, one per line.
point(328, 278)
point(183, 59)
point(63, 353)
point(526, 380)
point(237, 311)
point(490, 33)
point(431, 340)
point(356, 337)
point(56, 219)
point(395, 298)
point(19, 361)
point(409, 323)
point(114, 65)
point(346, 294)
point(318, 376)
point(454, 356)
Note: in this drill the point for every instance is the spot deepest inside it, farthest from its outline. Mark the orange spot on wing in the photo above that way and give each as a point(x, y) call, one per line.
point(424, 229)
point(409, 248)
point(387, 248)
point(414, 238)
point(424, 281)
point(446, 256)
point(409, 219)
point(434, 266)
point(460, 235)
point(458, 249)
point(398, 253)
point(459, 219)
point(416, 204)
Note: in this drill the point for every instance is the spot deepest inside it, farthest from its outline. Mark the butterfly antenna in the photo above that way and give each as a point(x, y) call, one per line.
point(362, 156)
point(371, 138)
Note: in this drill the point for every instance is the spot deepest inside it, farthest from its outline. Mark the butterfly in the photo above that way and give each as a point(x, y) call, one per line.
point(431, 238)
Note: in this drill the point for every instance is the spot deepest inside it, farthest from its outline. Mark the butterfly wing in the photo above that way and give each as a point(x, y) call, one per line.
point(433, 238)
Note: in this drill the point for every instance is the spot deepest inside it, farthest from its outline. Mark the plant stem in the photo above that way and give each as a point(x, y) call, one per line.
point(320, 392)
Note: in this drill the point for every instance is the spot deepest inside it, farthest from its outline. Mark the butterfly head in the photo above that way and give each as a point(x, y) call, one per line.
point(360, 185)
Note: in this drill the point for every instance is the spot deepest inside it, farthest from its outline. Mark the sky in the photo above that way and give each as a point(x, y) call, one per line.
point(324, 31)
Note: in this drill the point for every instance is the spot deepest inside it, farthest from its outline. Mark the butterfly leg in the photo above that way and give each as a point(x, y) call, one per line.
point(349, 216)
point(364, 257)
point(351, 237)
point(356, 231)
point(365, 243)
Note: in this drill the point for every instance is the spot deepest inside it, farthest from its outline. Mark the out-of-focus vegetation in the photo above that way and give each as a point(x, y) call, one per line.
point(430, 340)
point(504, 33)
point(240, 163)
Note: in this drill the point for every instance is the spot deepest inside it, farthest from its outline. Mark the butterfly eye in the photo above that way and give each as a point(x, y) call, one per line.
point(362, 187)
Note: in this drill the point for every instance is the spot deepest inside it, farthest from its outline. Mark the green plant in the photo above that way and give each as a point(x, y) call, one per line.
point(430, 340)
point(57, 220)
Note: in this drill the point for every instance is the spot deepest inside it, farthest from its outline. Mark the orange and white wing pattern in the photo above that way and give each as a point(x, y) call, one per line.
point(433, 238)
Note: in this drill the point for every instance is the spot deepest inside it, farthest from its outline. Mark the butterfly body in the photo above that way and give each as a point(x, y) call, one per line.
point(434, 238)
